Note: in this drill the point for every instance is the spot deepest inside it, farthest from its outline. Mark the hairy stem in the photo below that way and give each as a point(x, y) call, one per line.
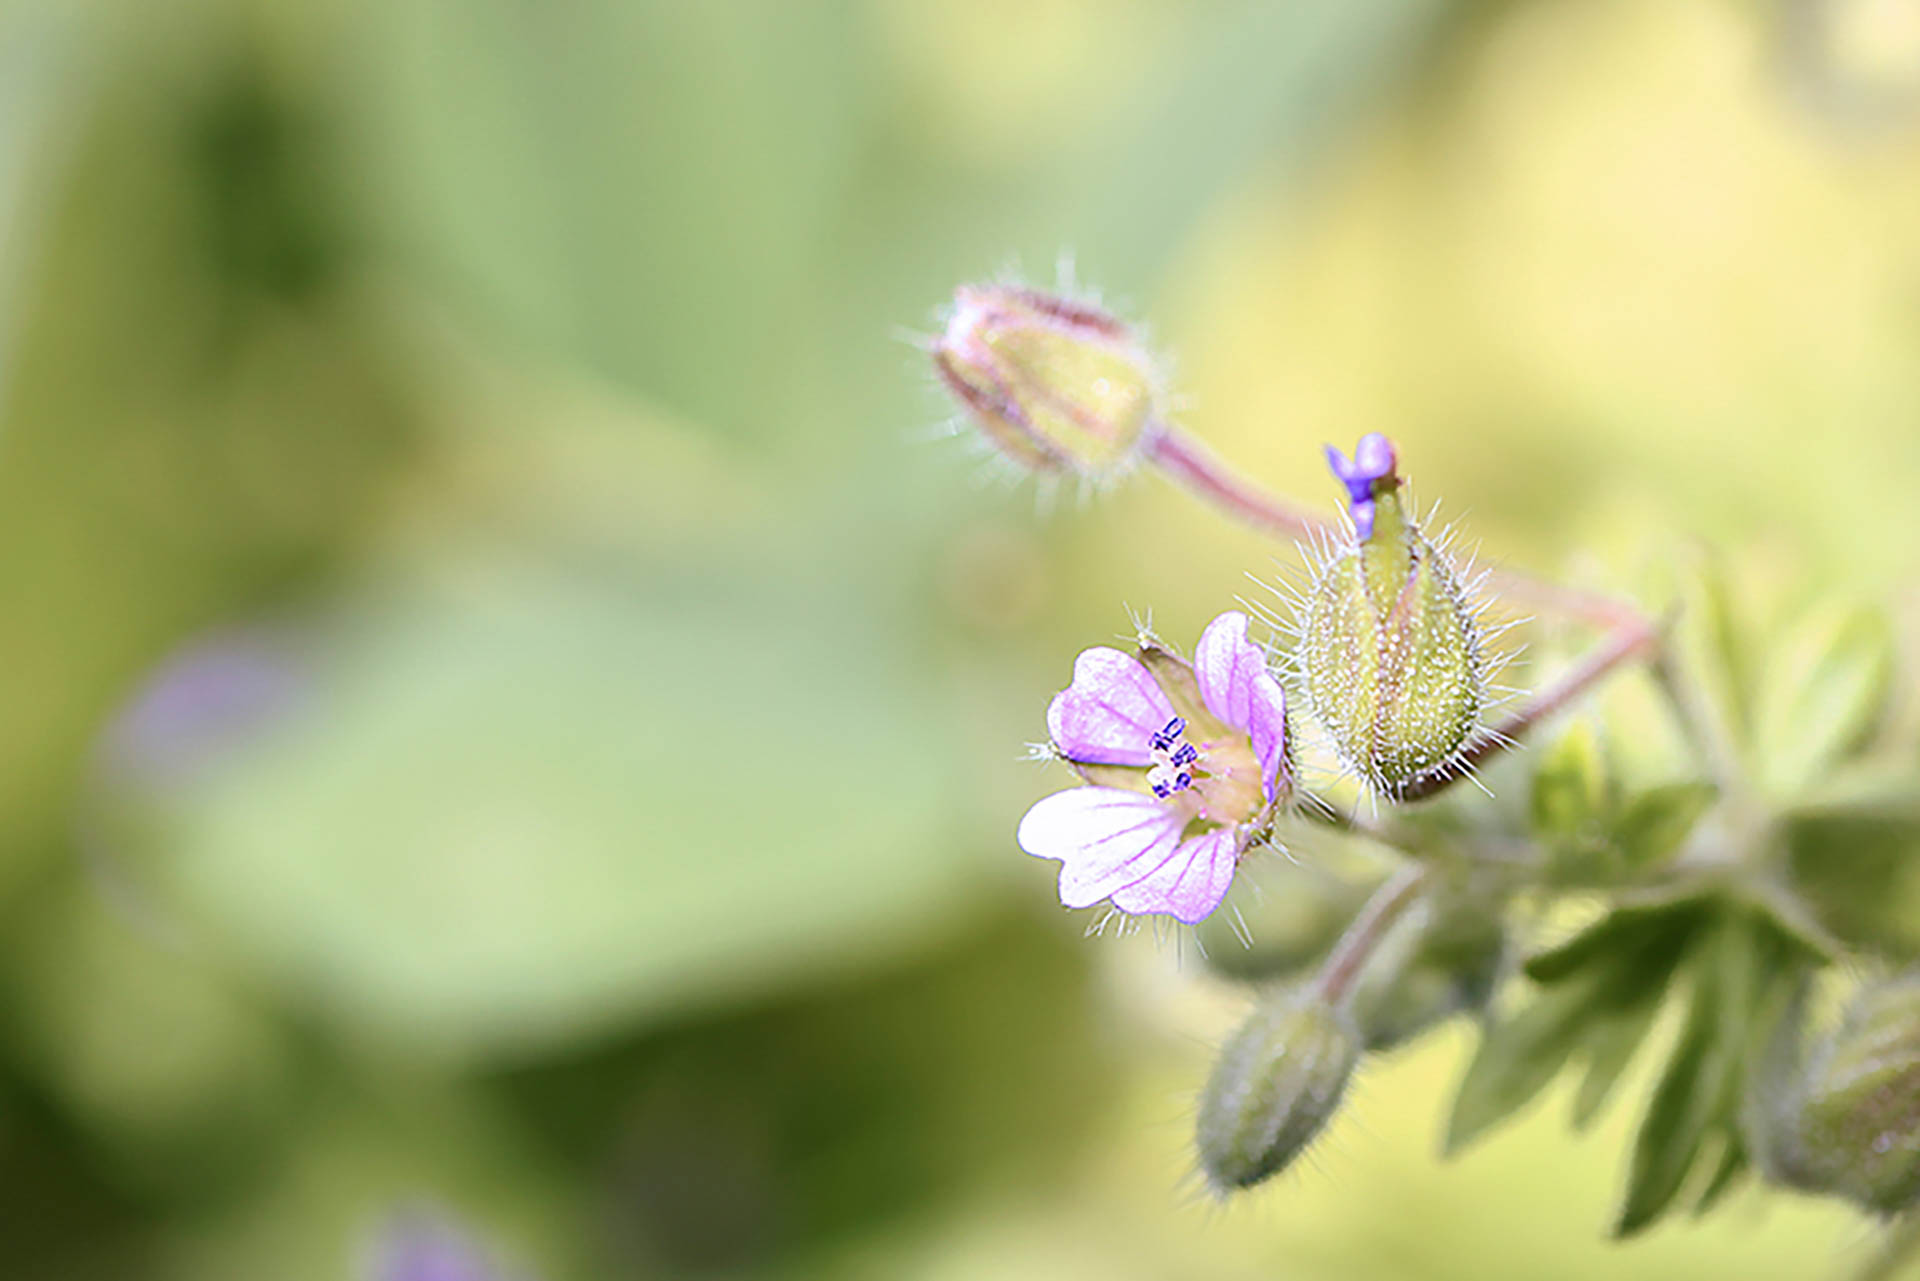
point(1349, 956)
point(1625, 643)
point(1210, 478)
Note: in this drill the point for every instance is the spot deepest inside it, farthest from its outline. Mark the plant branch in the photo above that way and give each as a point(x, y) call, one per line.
point(1349, 956)
point(1625, 643)
point(1189, 463)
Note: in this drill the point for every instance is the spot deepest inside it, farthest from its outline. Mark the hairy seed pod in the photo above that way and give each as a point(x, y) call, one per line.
point(1392, 653)
point(1056, 385)
point(1853, 1127)
point(1278, 1080)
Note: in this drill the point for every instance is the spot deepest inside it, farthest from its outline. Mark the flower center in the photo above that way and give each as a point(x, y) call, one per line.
point(1174, 759)
point(1215, 782)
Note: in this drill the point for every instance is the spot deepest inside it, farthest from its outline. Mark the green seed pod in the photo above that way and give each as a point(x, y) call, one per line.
point(1854, 1125)
point(1277, 1082)
point(1392, 652)
point(1056, 385)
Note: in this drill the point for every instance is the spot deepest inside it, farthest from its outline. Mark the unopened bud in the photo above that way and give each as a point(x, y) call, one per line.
point(1279, 1079)
point(1855, 1131)
point(1056, 385)
point(1392, 652)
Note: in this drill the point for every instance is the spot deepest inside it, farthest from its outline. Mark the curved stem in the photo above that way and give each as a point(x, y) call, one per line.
point(1210, 478)
point(1624, 644)
point(1349, 956)
point(1203, 473)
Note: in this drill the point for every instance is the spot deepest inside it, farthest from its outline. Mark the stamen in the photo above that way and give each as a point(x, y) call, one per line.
point(1173, 760)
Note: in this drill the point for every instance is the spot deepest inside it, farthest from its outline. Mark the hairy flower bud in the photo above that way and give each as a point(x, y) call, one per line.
point(1392, 655)
point(1279, 1079)
point(1853, 1127)
point(1056, 385)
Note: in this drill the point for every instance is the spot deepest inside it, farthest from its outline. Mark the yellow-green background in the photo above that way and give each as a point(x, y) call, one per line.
point(632, 877)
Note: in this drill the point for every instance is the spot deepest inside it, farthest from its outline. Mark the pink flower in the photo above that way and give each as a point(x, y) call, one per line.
point(1188, 763)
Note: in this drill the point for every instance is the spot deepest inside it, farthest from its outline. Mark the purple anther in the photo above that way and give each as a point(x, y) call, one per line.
point(1371, 472)
point(1164, 739)
point(1185, 755)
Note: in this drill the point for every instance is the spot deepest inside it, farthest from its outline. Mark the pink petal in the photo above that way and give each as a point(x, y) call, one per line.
point(1268, 730)
point(1238, 687)
point(1189, 885)
point(1105, 839)
point(1106, 716)
point(1226, 663)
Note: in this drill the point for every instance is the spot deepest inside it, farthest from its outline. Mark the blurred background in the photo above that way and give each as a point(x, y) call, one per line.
point(510, 708)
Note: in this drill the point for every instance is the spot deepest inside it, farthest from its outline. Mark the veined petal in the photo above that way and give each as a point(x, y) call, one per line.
point(1107, 715)
point(1267, 728)
point(1189, 885)
point(1105, 839)
point(1226, 664)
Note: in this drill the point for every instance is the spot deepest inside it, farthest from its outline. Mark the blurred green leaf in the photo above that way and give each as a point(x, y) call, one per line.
point(1569, 793)
point(1684, 1106)
point(1517, 1057)
point(1616, 1032)
point(1860, 875)
point(1629, 936)
point(1437, 961)
point(528, 806)
point(1656, 823)
point(1733, 1164)
point(1271, 84)
point(1826, 685)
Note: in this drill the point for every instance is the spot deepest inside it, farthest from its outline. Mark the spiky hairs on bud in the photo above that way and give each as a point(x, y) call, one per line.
point(1393, 656)
point(1279, 1079)
point(1054, 384)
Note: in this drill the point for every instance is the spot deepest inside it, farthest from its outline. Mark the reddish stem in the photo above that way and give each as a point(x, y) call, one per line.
point(1191, 464)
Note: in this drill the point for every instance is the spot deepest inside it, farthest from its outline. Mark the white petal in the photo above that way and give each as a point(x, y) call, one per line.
point(1189, 885)
point(1105, 839)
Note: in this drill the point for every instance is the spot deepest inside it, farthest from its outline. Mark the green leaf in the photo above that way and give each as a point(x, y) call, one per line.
point(1609, 1044)
point(515, 816)
point(1570, 785)
point(1631, 935)
point(1656, 822)
point(1517, 1058)
point(1697, 1091)
point(1826, 687)
point(1860, 877)
point(1726, 1175)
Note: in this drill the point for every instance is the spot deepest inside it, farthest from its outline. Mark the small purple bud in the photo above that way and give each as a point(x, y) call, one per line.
point(1054, 384)
point(1372, 472)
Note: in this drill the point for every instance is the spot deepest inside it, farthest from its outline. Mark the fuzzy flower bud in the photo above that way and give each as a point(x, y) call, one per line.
point(1278, 1081)
point(1392, 654)
point(1854, 1127)
point(1056, 385)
